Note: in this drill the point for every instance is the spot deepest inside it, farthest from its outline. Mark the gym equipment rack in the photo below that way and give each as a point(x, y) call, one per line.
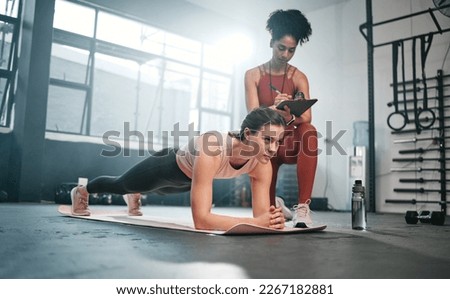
point(438, 143)
point(435, 123)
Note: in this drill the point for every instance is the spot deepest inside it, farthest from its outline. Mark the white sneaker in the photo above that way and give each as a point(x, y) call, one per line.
point(302, 216)
point(279, 202)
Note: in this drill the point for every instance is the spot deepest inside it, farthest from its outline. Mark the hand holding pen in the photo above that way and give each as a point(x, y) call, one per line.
point(280, 96)
point(298, 95)
point(286, 113)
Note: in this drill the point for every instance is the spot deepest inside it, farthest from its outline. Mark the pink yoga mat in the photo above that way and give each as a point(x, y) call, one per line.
point(171, 223)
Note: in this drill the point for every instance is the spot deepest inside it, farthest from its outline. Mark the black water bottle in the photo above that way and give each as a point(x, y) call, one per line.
point(359, 215)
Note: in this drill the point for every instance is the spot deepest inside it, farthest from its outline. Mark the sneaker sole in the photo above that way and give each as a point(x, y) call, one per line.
point(300, 225)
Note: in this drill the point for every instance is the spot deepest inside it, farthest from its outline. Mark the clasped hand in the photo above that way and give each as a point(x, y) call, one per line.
point(274, 218)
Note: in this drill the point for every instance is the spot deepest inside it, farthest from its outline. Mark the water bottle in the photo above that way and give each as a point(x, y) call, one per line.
point(358, 206)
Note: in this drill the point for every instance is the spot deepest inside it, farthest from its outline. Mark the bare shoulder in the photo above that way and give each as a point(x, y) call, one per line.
point(252, 74)
point(301, 82)
point(299, 76)
point(261, 172)
point(215, 138)
point(210, 144)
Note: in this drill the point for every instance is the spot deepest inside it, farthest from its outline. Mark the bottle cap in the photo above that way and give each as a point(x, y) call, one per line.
point(358, 187)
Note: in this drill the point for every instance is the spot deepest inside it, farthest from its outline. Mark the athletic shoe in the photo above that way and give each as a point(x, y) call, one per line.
point(302, 216)
point(80, 202)
point(134, 204)
point(279, 202)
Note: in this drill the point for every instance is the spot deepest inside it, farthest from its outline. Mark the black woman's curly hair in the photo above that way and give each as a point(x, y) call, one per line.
point(289, 22)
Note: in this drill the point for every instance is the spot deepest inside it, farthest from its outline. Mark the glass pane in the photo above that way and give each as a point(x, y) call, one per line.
point(153, 40)
point(146, 106)
point(216, 59)
point(118, 30)
point(216, 92)
point(3, 102)
point(136, 35)
point(9, 8)
point(69, 64)
point(65, 109)
point(182, 49)
point(215, 122)
point(6, 34)
point(182, 77)
point(67, 17)
point(115, 94)
point(170, 103)
point(171, 46)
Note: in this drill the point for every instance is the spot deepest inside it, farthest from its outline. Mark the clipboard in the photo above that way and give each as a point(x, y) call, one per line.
point(298, 107)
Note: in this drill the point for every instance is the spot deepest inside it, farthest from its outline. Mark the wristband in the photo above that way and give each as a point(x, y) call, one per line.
point(291, 121)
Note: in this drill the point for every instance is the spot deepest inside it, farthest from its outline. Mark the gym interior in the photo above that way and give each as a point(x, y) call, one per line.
point(91, 87)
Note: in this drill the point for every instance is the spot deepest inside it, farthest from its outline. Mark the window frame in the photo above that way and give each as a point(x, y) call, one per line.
point(94, 45)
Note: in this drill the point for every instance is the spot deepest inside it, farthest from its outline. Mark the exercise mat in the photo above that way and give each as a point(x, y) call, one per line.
point(177, 224)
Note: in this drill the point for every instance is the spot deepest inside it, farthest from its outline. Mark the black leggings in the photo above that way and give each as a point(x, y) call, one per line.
point(158, 173)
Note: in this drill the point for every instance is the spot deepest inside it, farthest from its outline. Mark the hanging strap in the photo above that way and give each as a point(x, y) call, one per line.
point(404, 82)
point(426, 116)
point(394, 74)
point(424, 49)
point(416, 120)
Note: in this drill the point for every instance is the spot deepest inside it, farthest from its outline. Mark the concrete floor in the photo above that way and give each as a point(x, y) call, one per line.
point(37, 242)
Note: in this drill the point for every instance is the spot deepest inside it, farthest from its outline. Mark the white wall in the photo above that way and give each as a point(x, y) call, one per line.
point(335, 61)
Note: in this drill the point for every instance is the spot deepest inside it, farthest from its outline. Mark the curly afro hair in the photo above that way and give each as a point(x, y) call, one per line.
point(289, 22)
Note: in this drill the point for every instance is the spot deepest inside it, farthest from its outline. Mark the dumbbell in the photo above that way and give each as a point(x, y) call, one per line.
point(435, 218)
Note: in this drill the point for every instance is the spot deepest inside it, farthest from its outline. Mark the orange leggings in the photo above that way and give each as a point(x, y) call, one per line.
point(300, 146)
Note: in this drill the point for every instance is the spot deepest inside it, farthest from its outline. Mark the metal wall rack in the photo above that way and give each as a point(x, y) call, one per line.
point(434, 122)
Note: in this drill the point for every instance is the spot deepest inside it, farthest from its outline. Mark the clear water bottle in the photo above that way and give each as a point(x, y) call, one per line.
point(359, 215)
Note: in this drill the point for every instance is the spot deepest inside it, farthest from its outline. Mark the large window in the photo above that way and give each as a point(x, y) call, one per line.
point(9, 33)
point(112, 73)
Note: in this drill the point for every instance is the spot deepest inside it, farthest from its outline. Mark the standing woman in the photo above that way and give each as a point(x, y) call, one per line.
point(275, 81)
